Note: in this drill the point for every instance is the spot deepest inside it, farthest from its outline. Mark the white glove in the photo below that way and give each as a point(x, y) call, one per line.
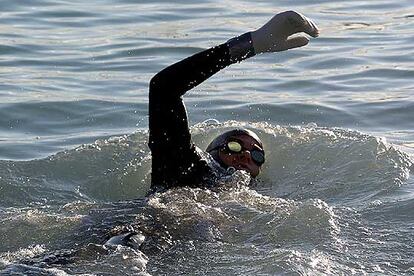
point(274, 35)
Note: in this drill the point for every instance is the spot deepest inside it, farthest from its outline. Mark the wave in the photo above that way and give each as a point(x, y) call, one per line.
point(302, 162)
point(302, 215)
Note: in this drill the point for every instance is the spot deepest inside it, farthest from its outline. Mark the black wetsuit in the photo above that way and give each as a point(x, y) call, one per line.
point(175, 161)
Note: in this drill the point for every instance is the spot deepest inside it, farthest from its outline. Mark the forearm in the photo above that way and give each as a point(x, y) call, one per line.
point(274, 36)
point(177, 79)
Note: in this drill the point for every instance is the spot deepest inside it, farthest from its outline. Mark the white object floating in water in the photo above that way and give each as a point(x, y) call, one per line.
point(130, 239)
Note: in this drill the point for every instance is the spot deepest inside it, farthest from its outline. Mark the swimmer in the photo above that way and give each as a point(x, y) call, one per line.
point(176, 161)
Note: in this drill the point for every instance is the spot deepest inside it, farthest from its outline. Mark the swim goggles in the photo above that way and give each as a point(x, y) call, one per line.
point(234, 146)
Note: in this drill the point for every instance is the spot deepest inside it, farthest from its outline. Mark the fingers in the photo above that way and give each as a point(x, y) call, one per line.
point(295, 42)
point(300, 23)
point(310, 28)
point(276, 34)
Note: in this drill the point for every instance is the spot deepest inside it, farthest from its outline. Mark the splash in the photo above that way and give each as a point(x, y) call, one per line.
point(295, 217)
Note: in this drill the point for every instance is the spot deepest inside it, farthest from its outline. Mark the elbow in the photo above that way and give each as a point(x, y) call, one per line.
point(155, 82)
point(155, 86)
point(163, 83)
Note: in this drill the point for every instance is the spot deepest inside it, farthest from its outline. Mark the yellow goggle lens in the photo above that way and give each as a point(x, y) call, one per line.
point(234, 146)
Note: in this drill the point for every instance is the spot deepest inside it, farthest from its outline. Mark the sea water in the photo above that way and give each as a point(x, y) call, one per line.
point(335, 196)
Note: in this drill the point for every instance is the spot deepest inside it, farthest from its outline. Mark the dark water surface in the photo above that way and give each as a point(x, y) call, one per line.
point(336, 117)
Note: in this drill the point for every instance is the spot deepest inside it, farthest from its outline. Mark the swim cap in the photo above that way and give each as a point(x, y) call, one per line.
point(222, 139)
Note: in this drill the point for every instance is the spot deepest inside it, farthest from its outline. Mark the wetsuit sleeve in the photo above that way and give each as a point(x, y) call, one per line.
point(173, 154)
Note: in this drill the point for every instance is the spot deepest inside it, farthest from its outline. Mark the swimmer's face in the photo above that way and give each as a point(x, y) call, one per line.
point(242, 160)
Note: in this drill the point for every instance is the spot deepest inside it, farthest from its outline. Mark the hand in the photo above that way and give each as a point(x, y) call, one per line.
point(274, 35)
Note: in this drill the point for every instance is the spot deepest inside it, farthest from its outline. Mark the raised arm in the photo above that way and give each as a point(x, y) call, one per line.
point(170, 140)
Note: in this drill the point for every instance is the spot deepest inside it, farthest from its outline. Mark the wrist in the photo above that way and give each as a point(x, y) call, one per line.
point(258, 42)
point(241, 47)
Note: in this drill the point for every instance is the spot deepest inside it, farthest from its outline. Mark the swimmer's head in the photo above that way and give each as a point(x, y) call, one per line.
point(239, 148)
